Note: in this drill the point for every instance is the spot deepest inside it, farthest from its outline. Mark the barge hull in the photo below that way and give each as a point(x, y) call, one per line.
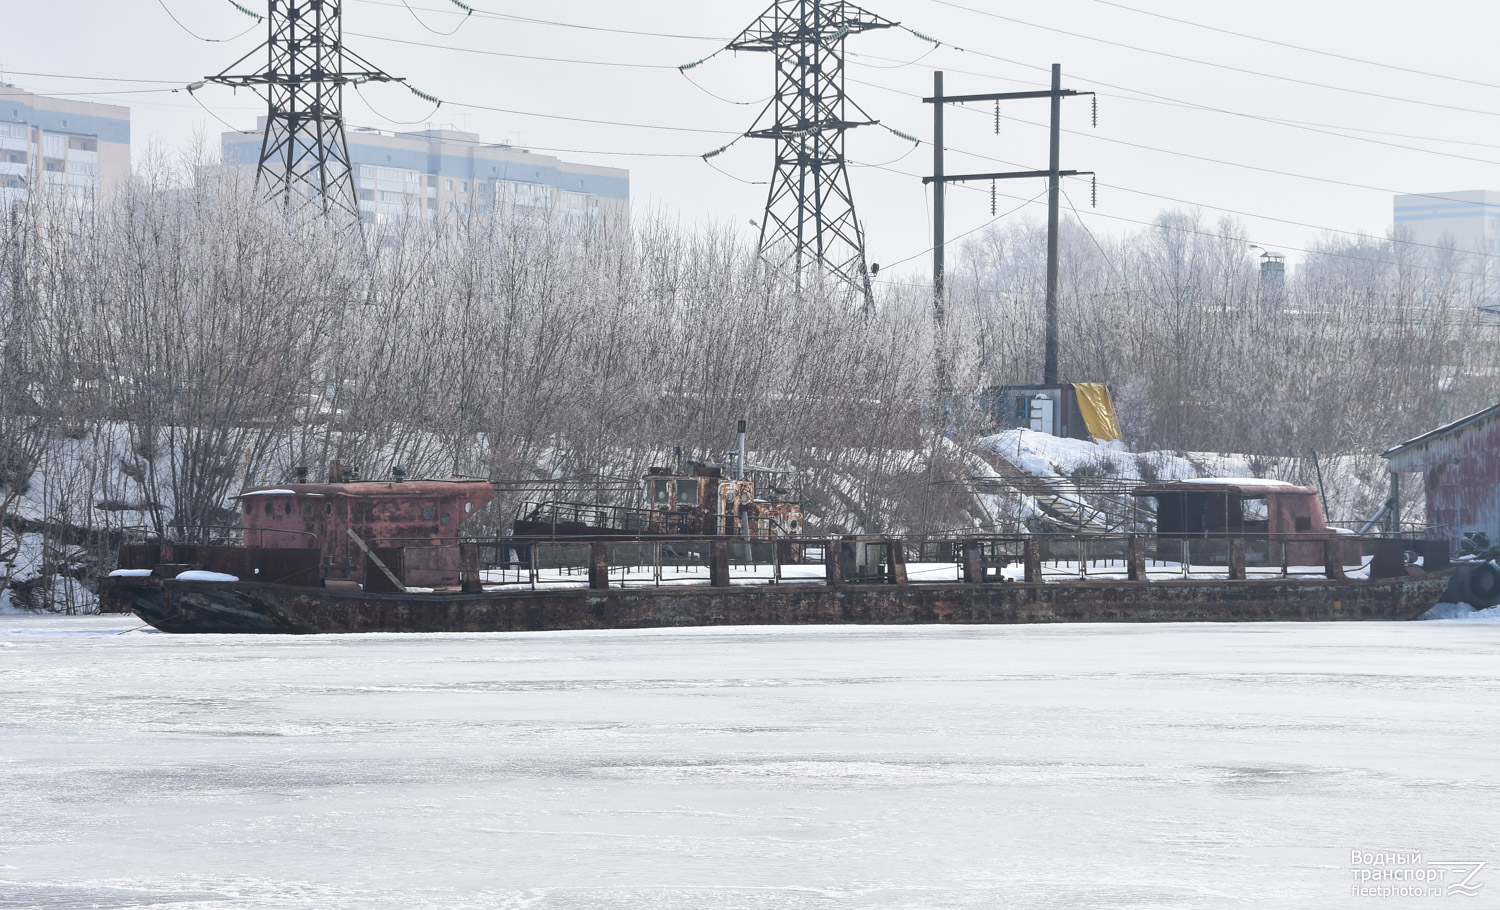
point(179, 606)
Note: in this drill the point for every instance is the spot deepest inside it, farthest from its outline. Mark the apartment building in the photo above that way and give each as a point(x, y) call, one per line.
point(79, 150)
point(447, 174)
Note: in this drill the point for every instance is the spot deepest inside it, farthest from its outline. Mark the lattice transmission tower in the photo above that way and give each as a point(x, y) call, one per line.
point(304, 155)
point(810, 217)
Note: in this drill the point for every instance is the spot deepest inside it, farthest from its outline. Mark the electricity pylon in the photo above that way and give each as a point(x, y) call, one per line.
point(810, 216)
point(304, 154)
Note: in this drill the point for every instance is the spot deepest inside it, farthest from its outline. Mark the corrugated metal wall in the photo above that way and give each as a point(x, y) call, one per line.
point(1462, 478)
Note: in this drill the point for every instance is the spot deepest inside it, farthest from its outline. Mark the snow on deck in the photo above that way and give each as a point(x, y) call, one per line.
point(1190, 767)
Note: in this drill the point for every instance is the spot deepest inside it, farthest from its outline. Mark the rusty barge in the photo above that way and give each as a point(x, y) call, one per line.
point(387, 556)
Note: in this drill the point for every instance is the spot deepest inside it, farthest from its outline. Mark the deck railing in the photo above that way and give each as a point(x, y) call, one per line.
point(657, 561)
point(604, 563)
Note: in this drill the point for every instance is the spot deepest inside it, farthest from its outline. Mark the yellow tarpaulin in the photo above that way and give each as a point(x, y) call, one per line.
point(1098, 410)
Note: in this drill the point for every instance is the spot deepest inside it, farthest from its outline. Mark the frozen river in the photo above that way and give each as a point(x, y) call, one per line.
point(1171, 766)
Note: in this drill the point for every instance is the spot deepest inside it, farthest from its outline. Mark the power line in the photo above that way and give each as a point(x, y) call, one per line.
point(1223, 66)
point(950, 241)
point(527, 20)
point(472, 50)
point(1253, 167)
point(1171, 227)
point(1298, 47)
point(500, 110)
point(469, 12)
point(1097, 244)
point(138, 91)
point(529, 147)
point(358, 91)
point(1217, 208)
point(1165, 100)
point(644, 126)
point(183, 26)
point(176, 82)
point(734, 177)
point(719, 97)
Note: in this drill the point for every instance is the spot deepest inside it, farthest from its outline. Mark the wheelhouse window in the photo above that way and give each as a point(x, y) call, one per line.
point(687, 493)
point(661, 492)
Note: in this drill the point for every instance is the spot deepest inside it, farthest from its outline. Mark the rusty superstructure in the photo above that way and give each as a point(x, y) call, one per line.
point(730, 499)
point(359, 535)
point(1249, 508)
point(1460, 468)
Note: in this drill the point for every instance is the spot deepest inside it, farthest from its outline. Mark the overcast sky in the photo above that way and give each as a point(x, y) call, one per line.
point(1446, 122)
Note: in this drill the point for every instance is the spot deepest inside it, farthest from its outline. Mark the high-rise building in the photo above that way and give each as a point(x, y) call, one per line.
point(1467, 220)
point(76, 149)
point(445, 173)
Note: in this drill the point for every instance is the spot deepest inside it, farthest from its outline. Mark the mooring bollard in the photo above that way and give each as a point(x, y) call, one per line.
point(718, 564)
point(1237, 559)
point(1033, 561)
point(973, 559)
point(1333, 558)
point(468, 558)
point(897, 562)
point(599, 565)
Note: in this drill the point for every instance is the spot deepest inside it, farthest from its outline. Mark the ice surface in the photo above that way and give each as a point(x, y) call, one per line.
point(1077, 767)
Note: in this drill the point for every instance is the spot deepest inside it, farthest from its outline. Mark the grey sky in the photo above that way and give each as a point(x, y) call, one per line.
point(136, 39)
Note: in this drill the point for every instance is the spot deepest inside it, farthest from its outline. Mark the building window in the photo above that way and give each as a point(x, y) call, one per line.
point(448, 186)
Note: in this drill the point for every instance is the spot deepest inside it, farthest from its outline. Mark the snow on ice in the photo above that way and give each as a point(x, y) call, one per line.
point(1104, 766)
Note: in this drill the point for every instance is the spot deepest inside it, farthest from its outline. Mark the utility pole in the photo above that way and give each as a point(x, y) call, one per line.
point(304, 154)
point(810, 216)
point(1054, 175)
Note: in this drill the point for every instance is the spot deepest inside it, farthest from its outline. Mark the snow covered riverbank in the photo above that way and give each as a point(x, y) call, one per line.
point(1174, 766)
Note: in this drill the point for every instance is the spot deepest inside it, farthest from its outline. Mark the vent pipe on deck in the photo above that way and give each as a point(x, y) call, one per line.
point(742, 450)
